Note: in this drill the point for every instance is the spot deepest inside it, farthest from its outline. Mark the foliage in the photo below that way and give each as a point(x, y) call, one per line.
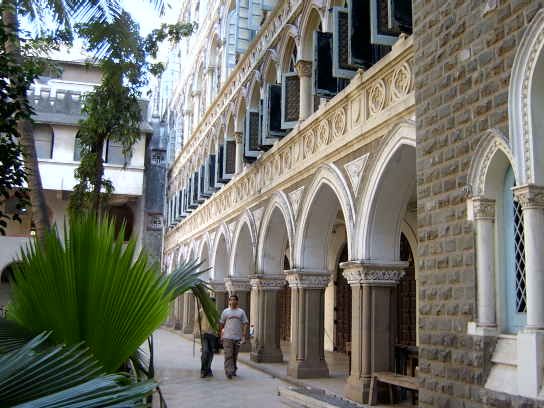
point(37, 374)
point(112, 110)
point(94, 288)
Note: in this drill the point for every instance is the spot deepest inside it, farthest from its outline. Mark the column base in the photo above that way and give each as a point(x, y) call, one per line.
point(306, 369)
point(177, 326)
point(267, 356)
point(530, 377)
point(356, 389)
point(187, 330)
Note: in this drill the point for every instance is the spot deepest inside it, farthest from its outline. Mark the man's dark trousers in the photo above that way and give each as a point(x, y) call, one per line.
point(209, 344)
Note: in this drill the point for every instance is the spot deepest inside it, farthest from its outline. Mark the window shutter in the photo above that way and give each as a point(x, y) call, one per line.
point(359, 50)
point(268, 5)
point(290, 106)
point(243, 34)
point(271, 110)
point(176, 208)
point(255, 14)
point(380, 32)
point(229, 162)
point(202, 184)
point(251, 134)
point(186, 194)
point(211, 176)
point(182, 213)
point(400, 15)
point(341, 68)
point(195, 197)
point(219, 159)
point(191, 202)
point(231, 40)
point(324, 82)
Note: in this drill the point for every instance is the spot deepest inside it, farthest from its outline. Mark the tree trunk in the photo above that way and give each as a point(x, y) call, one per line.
point(40, 214)
point(99, 175)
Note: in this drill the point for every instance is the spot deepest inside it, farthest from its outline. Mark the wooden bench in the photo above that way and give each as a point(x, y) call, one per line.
point(391, 379)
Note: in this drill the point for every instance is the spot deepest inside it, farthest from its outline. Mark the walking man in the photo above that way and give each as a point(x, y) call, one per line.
point(209, 342)
point(234, 326)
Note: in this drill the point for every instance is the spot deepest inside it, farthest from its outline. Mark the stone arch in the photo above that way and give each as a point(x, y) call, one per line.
point(220, 254)
point(240, 111)
point(289, 42)
point(491, 154)
point(242, 256)
point(204, 256)
point(277, 229)
point(316, 220)
point(254, 90)
point(383, 203)
point(270, 65)
point(525, 99)
point(310, 20)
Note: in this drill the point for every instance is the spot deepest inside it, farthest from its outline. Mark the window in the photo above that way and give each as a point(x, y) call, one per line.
point(44, 140)
point(157, 156)
point(77, 149)
point(115, 155)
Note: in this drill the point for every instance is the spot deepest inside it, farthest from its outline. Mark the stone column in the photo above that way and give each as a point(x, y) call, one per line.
point(484, 220)
point(371, 341)
point(264, 301)
point(209, 83)
point(241, 287)
point(187, 118)
point(304, 71)
point(307, 356)
point(197, 106)
point(220, 294)
point(178, 316)
point(189, 311)
point(238, 137)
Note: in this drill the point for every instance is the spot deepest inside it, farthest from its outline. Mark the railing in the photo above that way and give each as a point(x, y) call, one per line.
point(373, 97)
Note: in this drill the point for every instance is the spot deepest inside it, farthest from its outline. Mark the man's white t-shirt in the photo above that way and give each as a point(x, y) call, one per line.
point(232, 320)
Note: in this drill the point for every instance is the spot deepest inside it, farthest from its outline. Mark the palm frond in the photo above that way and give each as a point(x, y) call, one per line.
point(12, 336)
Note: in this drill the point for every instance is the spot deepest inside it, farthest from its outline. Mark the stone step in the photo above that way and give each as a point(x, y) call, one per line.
point(505, 351)
point(306, 397)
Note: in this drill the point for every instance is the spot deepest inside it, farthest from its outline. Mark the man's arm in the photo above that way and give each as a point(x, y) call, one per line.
point(245, 326)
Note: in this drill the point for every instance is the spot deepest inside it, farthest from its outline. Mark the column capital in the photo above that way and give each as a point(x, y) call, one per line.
point(373, 273)
point(304, 68)
point(302, 279)
point(238, 137)
point(483, 208)
point(530, 196)
point(217, 286)
point(268, 282)
point(237, 284)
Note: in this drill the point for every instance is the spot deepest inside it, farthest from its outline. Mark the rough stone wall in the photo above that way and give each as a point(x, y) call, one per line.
point(464, 55)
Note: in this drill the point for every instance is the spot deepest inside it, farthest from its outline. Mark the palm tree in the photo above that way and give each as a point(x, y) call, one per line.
point(86, 293)
point(62, 11)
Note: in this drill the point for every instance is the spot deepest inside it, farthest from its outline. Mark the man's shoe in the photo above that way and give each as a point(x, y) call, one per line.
point(229, 376)
point(202, 375)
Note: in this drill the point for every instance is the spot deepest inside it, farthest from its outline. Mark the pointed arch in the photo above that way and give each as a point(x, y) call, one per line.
point(289, 41)
point(327, 176)
point(244, 240)
point(312, 17)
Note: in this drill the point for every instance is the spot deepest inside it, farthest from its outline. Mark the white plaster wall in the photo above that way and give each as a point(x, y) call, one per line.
point(9, 249)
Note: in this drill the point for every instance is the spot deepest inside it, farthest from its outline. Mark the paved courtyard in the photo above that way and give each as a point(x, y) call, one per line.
point(179, 376)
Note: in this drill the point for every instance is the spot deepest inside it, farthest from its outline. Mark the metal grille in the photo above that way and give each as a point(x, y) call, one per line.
point(519, 256)
point(343, 50)
point(230, 164)
point(253, 130)
point(292, 98)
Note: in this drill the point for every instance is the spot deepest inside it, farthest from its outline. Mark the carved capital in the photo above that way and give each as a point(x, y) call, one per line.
point(234, 284)
point(267, 282)
point(238, 137)
point(307, 280)
point(304, 68)
point(530, 196)
point(484, 208)
point(373, 273)
point(217, 286)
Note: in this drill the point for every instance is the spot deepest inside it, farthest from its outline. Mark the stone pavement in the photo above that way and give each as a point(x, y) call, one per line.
point(178, 373)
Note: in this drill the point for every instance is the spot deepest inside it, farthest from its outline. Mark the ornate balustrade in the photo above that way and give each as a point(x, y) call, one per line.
point(351, 119)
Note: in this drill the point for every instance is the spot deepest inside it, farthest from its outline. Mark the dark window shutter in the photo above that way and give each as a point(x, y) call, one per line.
point(191, 202)
point(251, 134)
point(194, 196)
point(400, 15)
point(230, 159)
point(202, 184)
point(341, 68)
point(324, 82)
point(211, 173)
point(219, 166)
point(380, 31)
point(274, 111)
point(359, 33)
point(290, 100)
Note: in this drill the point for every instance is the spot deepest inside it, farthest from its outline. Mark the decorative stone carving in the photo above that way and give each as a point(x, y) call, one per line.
point(401, 82)
point(484, 208)
point(309, 143)
point(268, 282)
point(308, 280)
point(339, 122)
point(376, 97)
point(217, 286)
point(238, 137)
point(355, 110)
point(530, 196)
point(295, 197)
point(304, 68)
point(237, 284)
point(355, 169)
point(324, 133)
point(373, 273)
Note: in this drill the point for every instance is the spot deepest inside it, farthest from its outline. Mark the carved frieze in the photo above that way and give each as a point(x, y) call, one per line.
point(308, 280)
point(484, 208)
point(267, 282)
point(237, 284)
point(373, 273)
point(530, 196)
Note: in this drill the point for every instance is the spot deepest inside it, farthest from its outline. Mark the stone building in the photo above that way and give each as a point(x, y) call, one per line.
point(366, 176)
point(57, 101)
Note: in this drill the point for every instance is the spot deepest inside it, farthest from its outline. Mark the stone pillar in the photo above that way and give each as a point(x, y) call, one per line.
point(484, 219)
point(264, 316)
point(189, 311)
point(178, 316)
point(371, 341)
point(238, 137)
point(241, 288)
point(531, 340)
point(187, 123)
point(196, 106)
point(220, 294)
point(307, 356)
point(304, 71)
point(210, 74)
